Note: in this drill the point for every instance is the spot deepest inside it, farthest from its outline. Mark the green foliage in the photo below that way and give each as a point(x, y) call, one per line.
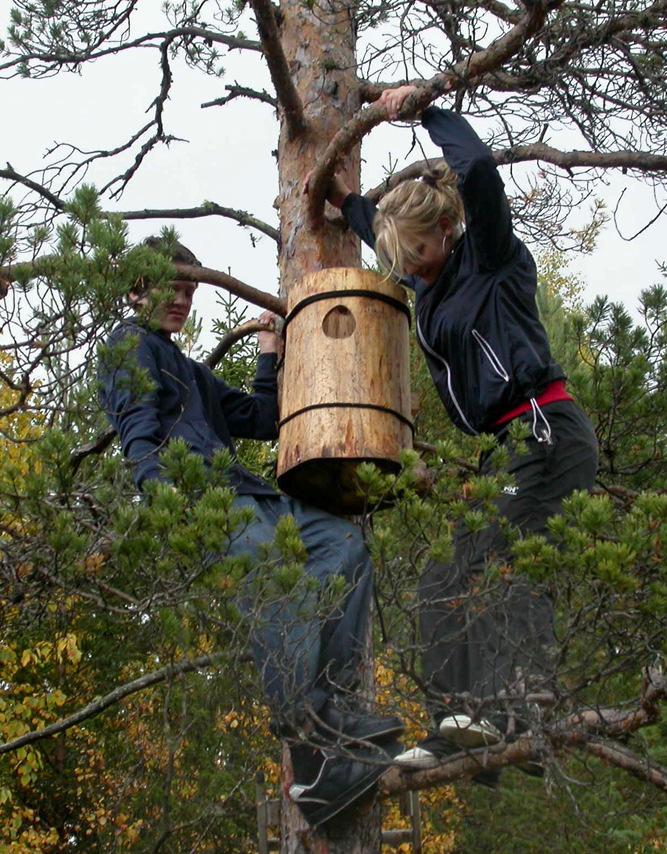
point(100, 588)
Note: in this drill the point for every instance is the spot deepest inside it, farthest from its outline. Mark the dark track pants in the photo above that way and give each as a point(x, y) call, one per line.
point(482, 645)
point(306, 643)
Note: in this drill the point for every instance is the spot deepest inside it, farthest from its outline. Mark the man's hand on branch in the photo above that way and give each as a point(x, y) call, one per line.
point(269, 340)
point(337, 191)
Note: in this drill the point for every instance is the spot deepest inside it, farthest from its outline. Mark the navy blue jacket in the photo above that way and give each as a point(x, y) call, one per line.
point(187, 401)
point(478, 324)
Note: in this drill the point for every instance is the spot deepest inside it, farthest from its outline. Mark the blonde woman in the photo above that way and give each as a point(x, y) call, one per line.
point(449, 236)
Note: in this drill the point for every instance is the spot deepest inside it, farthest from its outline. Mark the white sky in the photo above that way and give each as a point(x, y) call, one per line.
point(228, 160)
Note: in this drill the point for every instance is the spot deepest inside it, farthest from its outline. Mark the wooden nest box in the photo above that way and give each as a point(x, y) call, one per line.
point(346, 385)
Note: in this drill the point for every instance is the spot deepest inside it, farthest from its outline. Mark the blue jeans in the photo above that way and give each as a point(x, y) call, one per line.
point(307, 643)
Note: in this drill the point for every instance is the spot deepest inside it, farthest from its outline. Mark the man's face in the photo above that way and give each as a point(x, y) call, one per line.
point(171, 316)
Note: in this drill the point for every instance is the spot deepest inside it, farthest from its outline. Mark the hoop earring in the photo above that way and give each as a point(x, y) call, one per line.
point(444, 245)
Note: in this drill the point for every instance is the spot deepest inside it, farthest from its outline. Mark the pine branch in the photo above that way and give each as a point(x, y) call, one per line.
point(62, 58)
point(288, 97)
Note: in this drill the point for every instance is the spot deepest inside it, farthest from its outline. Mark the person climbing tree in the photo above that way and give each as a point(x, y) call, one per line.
point(306, 644)
point(449, 237)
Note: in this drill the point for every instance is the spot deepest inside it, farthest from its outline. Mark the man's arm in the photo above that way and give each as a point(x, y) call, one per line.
point(126, 368)
point(252, 416)
point(255, 416)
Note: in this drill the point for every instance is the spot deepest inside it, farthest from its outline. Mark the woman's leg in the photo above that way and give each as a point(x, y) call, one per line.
point(479, 641)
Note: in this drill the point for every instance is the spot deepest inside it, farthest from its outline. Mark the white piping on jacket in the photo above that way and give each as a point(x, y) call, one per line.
point(490, 354)
point(546, 430)
point(437, 356)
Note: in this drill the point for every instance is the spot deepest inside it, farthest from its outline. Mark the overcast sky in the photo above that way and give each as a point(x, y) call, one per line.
point(228, 160)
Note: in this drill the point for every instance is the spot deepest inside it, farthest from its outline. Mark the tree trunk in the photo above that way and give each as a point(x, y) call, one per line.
point(320, 45)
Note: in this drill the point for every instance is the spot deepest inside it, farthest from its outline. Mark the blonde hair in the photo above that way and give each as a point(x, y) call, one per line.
point(413, 209)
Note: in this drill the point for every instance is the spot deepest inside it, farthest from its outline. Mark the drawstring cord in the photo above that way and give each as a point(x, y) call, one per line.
point(546, 429)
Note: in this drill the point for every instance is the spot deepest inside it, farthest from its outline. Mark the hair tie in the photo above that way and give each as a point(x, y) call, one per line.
point(430, 179)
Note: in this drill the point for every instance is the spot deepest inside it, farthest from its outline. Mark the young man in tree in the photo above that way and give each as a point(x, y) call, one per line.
point(307, 647)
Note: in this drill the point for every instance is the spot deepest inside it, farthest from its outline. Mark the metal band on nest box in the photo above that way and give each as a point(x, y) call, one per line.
point(338, 405)
point(401, 306)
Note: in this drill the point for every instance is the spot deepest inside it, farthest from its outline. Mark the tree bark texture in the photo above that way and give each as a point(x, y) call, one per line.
point(320, 45)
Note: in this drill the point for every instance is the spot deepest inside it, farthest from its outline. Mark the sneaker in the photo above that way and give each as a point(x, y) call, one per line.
point(347, 727)
point(433, 751)
point(340, 782)
point(463, 731)
point(429, 753)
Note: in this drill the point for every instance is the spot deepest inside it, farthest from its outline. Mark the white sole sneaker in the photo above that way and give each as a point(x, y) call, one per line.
point(463, 731)
point(417, 757)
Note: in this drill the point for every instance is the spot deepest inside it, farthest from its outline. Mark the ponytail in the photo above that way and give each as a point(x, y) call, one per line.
point(411, 210)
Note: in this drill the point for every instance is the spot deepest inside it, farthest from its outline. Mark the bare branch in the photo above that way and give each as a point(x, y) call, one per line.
point(12, 175)
point(414, 170)
point(230, 338)
point(464, 72)
point(642, 161)
point(288, 97)
point(237, 91)
point(234, 286)
point(622, 757)
point(97, 446)
point(206, 209)
point(159, 135)
point(101, 703)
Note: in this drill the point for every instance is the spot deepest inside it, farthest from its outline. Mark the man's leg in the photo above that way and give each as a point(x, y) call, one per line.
point(308, 645)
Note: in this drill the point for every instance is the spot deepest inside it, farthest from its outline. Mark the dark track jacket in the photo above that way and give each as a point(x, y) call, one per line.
point(188, 401)
point(478, 323)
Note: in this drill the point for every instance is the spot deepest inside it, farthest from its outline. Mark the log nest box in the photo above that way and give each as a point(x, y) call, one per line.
point(346, 385)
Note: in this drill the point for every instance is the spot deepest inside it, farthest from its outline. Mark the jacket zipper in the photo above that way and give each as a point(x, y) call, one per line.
point(488, 351)
point(437, 356)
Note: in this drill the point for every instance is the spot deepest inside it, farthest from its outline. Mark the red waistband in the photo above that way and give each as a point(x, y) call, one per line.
point(553, 392)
